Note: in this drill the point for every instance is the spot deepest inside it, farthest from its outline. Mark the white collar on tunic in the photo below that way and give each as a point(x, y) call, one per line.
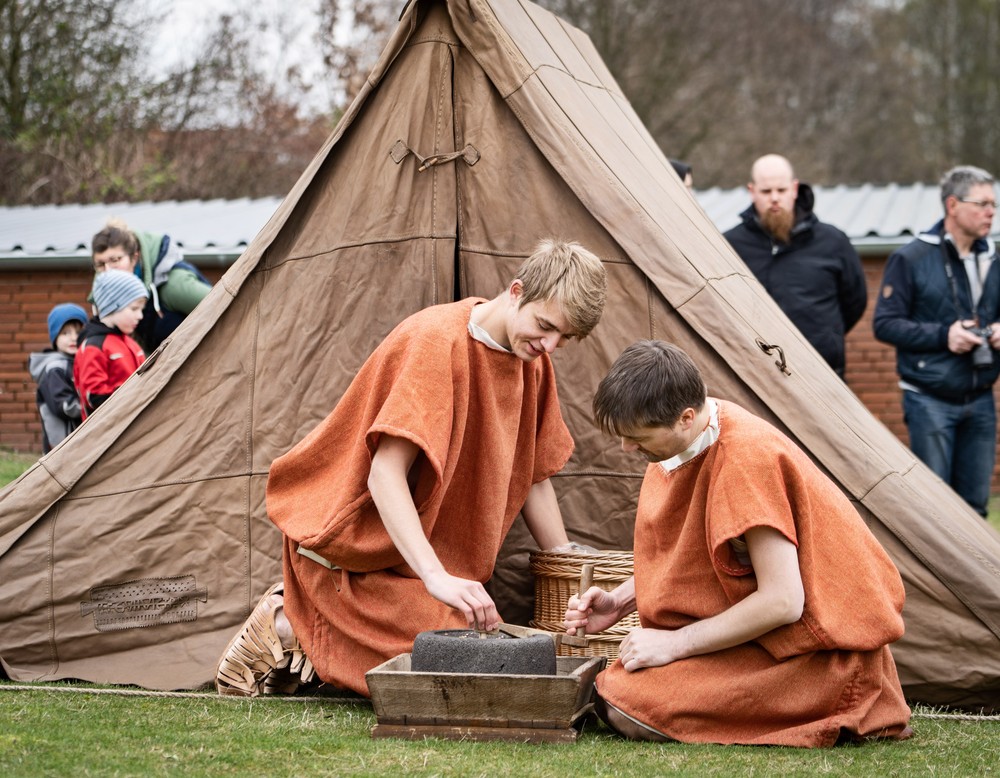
point(708, 436)
point(478, 333)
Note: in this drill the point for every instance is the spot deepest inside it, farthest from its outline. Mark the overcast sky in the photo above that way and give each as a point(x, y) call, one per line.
point(187, 21)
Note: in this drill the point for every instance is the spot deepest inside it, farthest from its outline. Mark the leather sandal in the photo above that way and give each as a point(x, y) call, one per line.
point(256, 663)
point(285, 680)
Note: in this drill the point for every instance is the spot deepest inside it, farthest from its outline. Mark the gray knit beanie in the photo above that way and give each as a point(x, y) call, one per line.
point(114, 289)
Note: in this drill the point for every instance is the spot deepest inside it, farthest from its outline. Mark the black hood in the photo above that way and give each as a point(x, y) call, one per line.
point(804, 202)
point(95, 327)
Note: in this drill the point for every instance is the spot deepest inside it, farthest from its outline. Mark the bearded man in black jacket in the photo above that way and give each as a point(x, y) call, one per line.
point(810, 268)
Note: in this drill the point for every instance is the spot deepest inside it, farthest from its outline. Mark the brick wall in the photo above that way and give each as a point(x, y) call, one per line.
point(26, 297)
point(871, 365)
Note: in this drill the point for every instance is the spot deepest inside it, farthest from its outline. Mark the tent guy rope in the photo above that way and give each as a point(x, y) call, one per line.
point(8, 687)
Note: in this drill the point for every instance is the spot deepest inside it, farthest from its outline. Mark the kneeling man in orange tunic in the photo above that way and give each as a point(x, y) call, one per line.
point(394, 508)
point(766, 605)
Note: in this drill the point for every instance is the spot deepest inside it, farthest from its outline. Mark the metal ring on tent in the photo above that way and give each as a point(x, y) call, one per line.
point(400, 151)
point(768, 349)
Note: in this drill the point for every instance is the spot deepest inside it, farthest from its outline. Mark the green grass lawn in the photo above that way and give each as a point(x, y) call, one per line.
point(13, 464)
point(50, 733)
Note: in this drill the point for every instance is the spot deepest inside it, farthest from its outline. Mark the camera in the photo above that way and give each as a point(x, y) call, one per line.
point(982, 355)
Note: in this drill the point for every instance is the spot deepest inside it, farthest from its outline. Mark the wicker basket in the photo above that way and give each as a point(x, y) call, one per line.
point(557, 578)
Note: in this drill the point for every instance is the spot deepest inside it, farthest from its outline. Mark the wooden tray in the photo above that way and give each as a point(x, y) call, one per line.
point(460, 706)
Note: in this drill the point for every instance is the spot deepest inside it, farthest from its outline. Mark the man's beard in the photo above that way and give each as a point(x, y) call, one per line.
point(778, 224)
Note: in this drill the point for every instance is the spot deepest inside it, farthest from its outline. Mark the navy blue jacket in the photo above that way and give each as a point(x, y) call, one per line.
point(816, 279)
point(917, 306)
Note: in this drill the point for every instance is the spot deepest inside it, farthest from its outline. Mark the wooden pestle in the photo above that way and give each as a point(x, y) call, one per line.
point(586, 581)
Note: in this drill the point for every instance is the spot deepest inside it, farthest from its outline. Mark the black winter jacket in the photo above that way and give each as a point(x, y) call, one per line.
point(816, 279)
point(917, 306)
point(58, 403)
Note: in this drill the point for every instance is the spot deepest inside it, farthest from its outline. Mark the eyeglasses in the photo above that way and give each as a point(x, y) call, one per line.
point(981, 204)
point(103, 264)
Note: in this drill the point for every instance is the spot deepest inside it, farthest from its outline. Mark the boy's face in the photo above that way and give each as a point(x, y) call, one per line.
point(535, 328)
point(66, 339)
point(128, 318)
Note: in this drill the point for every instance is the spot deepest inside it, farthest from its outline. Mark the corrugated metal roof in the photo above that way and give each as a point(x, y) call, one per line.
point(876, 218)
point(205, 229)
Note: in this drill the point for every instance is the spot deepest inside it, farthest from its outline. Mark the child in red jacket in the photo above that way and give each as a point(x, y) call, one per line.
point(107, 354)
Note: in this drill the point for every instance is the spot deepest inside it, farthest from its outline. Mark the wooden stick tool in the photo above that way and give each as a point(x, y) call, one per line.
point(586, 581)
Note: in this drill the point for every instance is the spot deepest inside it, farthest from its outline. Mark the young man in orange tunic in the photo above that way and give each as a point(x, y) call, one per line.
point(394, 508)
point(766, 606)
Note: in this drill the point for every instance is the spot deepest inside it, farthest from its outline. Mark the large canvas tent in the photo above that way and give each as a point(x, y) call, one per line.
point(132, 552)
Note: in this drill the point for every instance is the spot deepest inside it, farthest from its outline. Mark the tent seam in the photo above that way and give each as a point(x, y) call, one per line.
point(433, 235)
point(44, 465)
point(50, 605)
point(599, 473)
point(251, 473)
point(246, 479)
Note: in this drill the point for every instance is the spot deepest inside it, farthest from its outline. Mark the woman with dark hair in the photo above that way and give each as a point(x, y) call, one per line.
point(175, 286)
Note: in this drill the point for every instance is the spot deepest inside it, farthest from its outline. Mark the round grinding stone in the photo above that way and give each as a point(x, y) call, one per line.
point(464, 651)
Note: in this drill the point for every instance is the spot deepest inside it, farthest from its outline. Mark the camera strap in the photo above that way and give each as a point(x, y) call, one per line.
point(949, 271)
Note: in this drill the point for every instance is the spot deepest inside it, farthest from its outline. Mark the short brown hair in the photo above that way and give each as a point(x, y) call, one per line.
point(570, 274)
point(115, 233)
point(649, 385)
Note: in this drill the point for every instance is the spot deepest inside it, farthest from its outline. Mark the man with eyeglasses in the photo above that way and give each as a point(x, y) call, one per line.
point(940, 308)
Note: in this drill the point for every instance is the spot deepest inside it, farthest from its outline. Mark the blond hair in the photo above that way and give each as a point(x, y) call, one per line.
point(570, 274)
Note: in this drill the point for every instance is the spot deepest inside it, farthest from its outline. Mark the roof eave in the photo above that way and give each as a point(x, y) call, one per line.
point(879, 245)
point(208, 256)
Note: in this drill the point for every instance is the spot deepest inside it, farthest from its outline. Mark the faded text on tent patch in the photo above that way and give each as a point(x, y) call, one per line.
point(149, 602)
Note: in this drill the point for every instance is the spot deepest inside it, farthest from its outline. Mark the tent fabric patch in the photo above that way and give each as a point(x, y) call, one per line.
point(149, 602)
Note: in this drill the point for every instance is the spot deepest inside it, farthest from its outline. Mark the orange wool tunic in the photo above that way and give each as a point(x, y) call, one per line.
point(798, 685)
point(488, 426)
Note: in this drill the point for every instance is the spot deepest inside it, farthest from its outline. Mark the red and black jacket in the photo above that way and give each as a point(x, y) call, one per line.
point(106, 357)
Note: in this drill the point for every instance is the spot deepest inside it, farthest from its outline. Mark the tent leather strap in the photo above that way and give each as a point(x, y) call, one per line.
point(400, 151)
point(769, 349)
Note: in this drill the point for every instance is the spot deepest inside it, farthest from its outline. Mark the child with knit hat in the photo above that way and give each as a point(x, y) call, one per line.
point(108, 355)
point(52, 369)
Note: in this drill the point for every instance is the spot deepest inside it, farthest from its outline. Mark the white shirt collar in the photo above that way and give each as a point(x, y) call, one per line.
point(707, 437)
point(478, 333)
